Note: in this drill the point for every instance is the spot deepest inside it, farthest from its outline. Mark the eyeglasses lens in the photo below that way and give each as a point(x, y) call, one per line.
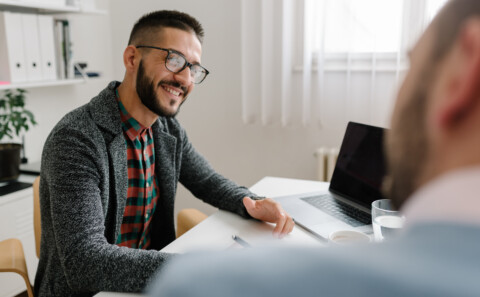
point(176, 63)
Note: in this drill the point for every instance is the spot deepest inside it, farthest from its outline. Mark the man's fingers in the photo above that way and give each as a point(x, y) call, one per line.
point(269, 210)
point(280, 223)
point(289, 224)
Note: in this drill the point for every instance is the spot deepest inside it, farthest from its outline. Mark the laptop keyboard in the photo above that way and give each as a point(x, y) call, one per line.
point(342, 211)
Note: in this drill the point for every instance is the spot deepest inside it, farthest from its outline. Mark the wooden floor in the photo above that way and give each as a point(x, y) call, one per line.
point(24, 294)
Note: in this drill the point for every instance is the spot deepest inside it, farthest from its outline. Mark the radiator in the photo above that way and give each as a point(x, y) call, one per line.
point(326, 159)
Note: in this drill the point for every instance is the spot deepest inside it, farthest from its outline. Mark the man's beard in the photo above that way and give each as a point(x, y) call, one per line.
point(146, 93)
point(406, 148)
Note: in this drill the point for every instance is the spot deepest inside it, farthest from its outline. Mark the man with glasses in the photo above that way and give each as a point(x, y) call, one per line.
point(110, 170)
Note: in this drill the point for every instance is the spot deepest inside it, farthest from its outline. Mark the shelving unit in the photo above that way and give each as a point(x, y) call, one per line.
point(54, 83)
point(46, 8)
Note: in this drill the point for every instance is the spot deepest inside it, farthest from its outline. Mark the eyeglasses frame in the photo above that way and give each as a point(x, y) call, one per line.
point(187, 64)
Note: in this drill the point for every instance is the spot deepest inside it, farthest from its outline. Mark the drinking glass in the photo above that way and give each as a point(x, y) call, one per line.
point(386, 220)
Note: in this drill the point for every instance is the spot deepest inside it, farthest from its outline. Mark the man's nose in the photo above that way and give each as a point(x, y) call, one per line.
point(184, 77)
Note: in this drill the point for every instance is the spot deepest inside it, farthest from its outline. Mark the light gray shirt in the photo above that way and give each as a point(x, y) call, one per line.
point(437, 255)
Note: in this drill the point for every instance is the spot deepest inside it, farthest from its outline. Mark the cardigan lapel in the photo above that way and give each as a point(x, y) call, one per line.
point(117, 153)
point(165, 155)
point(106, 114)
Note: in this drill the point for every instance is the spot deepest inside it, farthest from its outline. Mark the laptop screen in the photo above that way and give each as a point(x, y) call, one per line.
point(360, 165)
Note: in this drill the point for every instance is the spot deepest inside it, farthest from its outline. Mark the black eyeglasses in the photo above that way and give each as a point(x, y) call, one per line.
point(176, 62)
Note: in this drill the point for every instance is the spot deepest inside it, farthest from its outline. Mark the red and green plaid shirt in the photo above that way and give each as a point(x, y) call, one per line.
point(142, 192)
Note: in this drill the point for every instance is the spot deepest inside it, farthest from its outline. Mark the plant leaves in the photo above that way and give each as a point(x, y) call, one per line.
point(15, 117)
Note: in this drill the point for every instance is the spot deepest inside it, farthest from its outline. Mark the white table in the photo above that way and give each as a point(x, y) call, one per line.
point(215, 232)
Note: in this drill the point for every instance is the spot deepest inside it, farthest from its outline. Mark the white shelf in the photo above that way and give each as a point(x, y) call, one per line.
point(37, 84)
point(47, 8)
point(38, 5)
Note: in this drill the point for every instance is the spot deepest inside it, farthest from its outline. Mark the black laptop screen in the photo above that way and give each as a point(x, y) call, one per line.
point(360, 165)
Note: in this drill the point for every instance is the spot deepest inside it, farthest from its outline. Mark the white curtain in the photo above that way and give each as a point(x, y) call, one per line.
point(324, 62)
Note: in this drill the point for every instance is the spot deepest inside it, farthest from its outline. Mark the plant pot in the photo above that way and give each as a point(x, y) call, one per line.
point(9, 161)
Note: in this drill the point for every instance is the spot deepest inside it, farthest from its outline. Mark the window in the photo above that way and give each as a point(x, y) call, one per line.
point(365, 26)
point(326, 62)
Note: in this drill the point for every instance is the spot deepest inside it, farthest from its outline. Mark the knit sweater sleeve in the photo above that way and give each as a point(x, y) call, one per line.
point(198, 176)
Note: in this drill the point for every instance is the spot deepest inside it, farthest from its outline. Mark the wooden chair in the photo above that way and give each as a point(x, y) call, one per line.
point(187, 219)
point(12, 256)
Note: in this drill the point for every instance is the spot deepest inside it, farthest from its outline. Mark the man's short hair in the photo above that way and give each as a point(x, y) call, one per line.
point(151, 23)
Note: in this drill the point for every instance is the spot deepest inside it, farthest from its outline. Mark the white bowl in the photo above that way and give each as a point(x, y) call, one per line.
point(348, 237)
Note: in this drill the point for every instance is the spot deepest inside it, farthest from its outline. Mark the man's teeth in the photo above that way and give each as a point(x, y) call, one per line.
point(173, 92)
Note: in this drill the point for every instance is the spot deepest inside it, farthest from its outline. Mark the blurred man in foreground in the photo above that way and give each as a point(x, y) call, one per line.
point(434, 175)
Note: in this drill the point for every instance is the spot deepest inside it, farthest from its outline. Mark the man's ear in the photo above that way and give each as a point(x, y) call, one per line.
point(130, 56)
point(464, 90)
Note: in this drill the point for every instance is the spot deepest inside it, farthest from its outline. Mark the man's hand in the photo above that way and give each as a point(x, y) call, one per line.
point(269, 210)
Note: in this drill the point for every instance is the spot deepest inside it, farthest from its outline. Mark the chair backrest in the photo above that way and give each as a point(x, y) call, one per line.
point(36, 214)
point(187, 219)
point(12, 259)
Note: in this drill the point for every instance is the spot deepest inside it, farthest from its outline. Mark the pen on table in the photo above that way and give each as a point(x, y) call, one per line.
point(240, 241)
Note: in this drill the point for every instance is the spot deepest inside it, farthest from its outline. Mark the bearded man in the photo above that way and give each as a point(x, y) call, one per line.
point(110, 170)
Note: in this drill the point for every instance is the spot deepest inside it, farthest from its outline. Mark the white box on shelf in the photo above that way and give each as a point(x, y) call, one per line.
point(73, 3)
point(47, 47)
point(60, 3)
point(12, 50)
point(32, 47)
point(88, 5)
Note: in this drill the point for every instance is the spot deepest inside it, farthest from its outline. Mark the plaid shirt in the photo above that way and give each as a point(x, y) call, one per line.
point(142, 192)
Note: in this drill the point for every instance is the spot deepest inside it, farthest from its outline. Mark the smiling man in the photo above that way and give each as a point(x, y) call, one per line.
point(110, 170)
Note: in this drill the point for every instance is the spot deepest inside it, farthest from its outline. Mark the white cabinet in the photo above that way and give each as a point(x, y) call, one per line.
point(16, 221)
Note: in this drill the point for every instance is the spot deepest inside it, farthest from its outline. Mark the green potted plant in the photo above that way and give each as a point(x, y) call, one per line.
point(14, 119)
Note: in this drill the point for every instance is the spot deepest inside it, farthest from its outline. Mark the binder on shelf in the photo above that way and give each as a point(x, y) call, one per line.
point(63, 51)
point(32, 47)
point(47, 47)
point(12, 48)
point(69, 71)
point(58, 35)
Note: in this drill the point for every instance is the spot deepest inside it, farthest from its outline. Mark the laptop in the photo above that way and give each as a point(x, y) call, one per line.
point(356, 182)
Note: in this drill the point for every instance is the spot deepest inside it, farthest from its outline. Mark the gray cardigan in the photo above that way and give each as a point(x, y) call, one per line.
point(83, 190)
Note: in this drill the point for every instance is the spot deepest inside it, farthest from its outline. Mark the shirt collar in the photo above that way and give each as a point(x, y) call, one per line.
point(132, 128)
point(453, 197)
